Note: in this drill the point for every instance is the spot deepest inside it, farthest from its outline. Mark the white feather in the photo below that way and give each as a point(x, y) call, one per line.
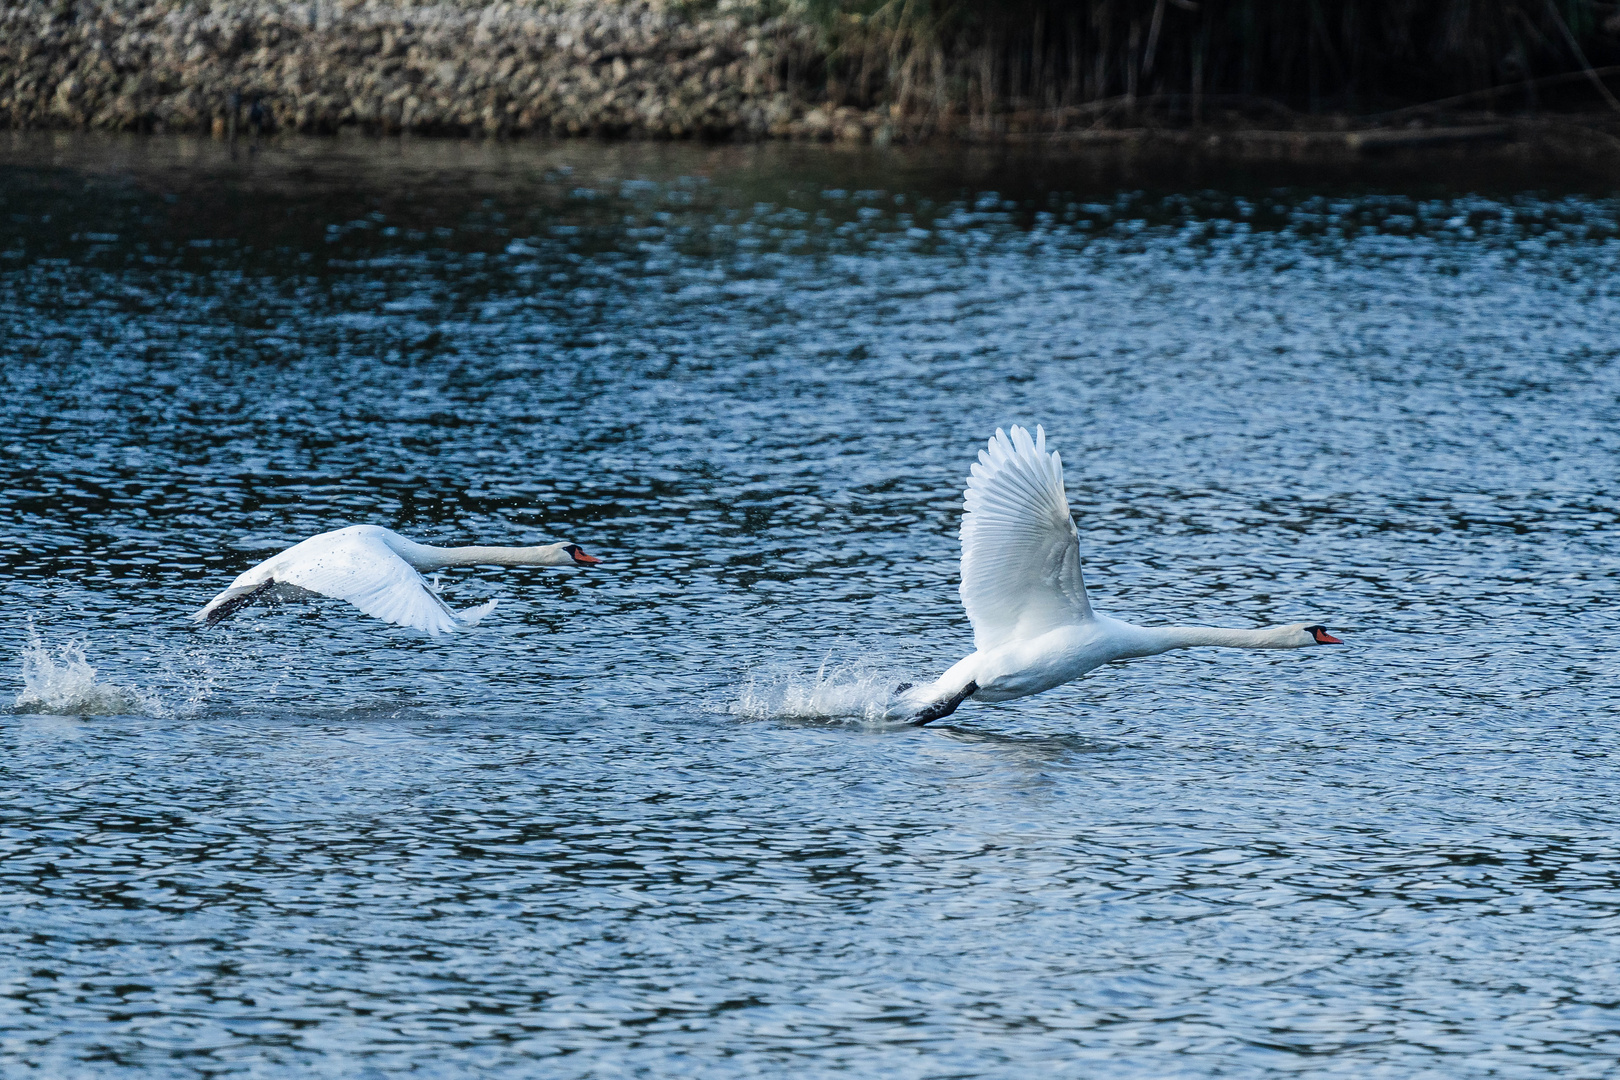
point(370, 575)
point(1020, 549)
point(473, 615)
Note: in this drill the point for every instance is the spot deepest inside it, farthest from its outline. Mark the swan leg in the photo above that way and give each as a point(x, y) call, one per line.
point(941, 709)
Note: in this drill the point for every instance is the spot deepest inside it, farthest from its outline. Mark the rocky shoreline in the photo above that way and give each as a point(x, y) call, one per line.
point(736, 69)
point(636, 68)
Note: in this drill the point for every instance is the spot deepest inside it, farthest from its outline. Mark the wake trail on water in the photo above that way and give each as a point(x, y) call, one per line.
point(59, 679)
point(852, 691)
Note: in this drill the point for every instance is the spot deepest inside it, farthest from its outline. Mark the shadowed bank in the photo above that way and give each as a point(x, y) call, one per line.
point(1274, 78)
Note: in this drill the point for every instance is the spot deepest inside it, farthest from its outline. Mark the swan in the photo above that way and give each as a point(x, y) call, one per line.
point(380, 572)
point(1033, 625)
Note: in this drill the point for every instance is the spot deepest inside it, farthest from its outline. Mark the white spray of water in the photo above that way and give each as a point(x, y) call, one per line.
point(62, 680)
point(58, 678)
point(842, 691)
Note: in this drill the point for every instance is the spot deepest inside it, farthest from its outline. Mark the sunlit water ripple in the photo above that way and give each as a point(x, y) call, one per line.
point(640, 822)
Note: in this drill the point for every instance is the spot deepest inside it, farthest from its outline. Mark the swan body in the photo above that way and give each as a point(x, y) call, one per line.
point(1033, 625)
point(380, 572)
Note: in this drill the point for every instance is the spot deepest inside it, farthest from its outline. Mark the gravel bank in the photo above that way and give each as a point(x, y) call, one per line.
point(620, 67)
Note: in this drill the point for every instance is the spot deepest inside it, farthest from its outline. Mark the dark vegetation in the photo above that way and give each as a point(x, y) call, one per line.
point(1263, 78)
point(1182, 60)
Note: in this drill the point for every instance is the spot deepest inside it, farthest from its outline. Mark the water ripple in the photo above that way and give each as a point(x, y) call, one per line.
point(640, 822)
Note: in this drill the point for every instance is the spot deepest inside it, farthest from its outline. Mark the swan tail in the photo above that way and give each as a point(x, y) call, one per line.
point(473, 615)
point(228, 603)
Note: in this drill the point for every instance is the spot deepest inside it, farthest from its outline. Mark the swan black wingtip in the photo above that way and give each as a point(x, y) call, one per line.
point(227, 604)
point(207, 620)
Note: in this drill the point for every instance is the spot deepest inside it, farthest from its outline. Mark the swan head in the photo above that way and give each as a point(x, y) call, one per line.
point(577, 553)
point(1313, 634)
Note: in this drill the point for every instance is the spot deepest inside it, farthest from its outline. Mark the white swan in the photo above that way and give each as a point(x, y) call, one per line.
point(1033, 627)
point(379, 571)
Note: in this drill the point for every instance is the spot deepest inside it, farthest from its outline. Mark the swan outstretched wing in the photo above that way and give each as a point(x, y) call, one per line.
point(358, 568)
point(369, 575)
point(1020, 549)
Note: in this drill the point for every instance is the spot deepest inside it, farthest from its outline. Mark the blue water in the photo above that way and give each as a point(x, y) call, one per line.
point(640, 822)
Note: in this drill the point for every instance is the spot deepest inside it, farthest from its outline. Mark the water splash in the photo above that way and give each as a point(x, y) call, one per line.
point(841, 691)
point(61, 680)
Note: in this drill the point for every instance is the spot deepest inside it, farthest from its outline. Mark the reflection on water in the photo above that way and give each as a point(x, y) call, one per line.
point(637, 821)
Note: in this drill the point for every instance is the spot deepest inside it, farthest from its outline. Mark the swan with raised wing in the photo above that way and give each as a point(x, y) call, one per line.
point(380, 572)
point(1033, 626)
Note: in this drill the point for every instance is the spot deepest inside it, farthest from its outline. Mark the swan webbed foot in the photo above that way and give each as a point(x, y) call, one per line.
point(941, 709)
point(903, 687)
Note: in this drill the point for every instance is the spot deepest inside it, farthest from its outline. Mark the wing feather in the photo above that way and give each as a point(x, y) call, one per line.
point(368, 574)
point(1020, 550)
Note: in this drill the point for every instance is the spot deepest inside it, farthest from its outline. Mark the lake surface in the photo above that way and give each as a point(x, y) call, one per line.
point(641, 822)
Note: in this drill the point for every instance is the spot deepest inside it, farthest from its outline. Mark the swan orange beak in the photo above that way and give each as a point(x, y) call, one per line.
point(584, 559)
point(1325, 638)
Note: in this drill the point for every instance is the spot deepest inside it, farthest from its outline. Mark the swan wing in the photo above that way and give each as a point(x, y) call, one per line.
point(368, 574)
point(474, 615)
point(1020, 549)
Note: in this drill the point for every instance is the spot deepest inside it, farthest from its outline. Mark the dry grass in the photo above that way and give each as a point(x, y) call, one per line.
point(1175, 59)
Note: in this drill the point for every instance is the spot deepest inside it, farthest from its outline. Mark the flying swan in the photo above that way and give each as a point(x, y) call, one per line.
point(380, 572)
point(1033, 627)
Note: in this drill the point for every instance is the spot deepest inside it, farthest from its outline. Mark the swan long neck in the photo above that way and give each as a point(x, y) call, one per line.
point(427, 557)
point(1152, 640)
